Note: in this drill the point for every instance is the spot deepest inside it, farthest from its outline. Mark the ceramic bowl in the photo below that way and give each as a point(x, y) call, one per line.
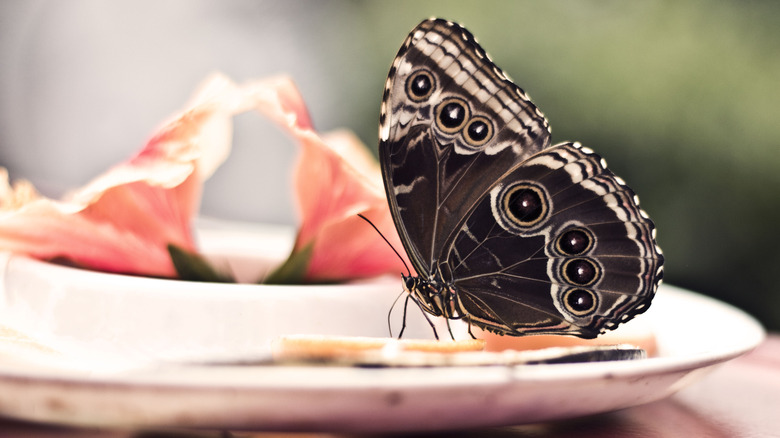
point(126, 318)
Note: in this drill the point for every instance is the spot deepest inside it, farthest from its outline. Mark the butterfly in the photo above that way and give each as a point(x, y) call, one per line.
point(505, 231)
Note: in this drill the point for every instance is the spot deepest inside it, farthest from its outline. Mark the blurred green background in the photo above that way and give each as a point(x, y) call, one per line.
point(680, 97)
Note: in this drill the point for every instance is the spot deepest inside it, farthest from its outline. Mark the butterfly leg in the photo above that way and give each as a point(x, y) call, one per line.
point(449, 329)
point(435, 334)
point(403, 319)
point(424, 313)
point(456, 311)
point(390, 313)
point(468, 321)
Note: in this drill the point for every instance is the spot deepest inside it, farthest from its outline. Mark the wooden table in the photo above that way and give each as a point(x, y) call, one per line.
point(739, 399)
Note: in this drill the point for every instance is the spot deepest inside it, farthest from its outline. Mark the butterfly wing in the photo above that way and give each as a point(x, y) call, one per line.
point(451, 124)
point(559, 245)
point(526, 237)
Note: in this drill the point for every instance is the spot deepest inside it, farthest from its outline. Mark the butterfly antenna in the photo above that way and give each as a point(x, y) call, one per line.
point(387, 242)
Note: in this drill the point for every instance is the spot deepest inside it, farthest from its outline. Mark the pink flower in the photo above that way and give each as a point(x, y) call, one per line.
point(124, 220)
point(336, 178)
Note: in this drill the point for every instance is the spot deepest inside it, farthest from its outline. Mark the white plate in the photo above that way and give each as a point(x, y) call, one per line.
point(693, 333)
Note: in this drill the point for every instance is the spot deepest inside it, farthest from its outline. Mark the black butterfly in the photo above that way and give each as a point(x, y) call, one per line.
point(505, 231)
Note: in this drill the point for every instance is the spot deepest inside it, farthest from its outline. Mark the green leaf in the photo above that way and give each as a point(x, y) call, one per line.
point(192, 266)
point(293, 270)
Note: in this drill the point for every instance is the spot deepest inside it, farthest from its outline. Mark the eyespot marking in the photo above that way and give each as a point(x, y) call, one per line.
point(452, 115)
point(580, 302)
point(525, 205)
point(478, 131)
point(420, 85)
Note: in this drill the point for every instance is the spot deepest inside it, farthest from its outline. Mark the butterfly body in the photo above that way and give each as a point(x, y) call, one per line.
point(504, 230)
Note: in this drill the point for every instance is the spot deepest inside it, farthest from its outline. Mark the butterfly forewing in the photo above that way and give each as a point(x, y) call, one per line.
point(506, 232)
point(451, 124)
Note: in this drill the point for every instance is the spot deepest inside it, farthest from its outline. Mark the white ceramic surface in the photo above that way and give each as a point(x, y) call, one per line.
point(694, 333)
point(126, 320)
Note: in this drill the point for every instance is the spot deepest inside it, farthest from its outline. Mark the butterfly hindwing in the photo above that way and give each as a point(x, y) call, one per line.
point(559, 246)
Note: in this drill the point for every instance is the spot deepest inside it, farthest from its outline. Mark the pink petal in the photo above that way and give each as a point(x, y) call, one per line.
point(335, 179)
point(350, 248)
point(124, 219)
